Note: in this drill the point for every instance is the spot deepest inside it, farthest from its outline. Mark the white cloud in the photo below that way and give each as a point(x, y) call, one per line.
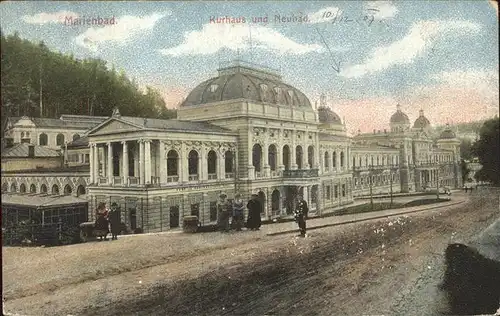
point(124, 30)
point(485, 82)
point(213, 37)
point(415, 44)
point(43, 18)
point(320, 15)
point(381, 10)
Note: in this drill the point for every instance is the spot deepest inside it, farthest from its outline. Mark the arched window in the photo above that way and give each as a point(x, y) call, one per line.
point(193, 165)
point(5, 187)
point(32, 188)
point(310, 156)
point(342, 159)
point(76, 136)
point(334, 159)
point(67, 189)
point(60, 139)
point(22, 188)
point(43, 188)
point(43, 139)
point(257, 157)
point(212, 164)
point(353, 162)
point(286, 157)
point(172, 163)
point(327, 160)
point(80, 190)
point(55, 190)
point(13, 187)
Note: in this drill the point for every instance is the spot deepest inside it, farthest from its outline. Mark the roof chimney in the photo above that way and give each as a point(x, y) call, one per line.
point(31, 151)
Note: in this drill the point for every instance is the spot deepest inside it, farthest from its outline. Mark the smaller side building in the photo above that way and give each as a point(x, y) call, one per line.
point(25, 156)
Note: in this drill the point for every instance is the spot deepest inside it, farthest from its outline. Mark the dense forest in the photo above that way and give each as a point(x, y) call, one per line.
point(32, 75)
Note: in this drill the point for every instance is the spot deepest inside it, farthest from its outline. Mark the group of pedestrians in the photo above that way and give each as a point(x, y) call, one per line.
point(235, 212)
point(107, 221)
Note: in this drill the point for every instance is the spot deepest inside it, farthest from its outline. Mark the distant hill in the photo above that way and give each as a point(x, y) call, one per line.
point(32, 74)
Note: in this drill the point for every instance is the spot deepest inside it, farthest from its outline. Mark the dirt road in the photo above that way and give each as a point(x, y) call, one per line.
point(379, 267)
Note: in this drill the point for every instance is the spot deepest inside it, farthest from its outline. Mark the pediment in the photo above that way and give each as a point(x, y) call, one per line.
point(113, 126)
point(25, 122)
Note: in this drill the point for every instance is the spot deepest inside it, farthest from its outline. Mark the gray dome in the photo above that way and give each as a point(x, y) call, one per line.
point(400, 118)
point(421, 121)
point(447, 133)
point(243, 82)
point(327, 116)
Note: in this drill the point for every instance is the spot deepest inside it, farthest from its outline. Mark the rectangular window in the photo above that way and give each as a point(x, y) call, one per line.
point(328, 192)
point(87, 158)
point(343, 189)
point(336, 191)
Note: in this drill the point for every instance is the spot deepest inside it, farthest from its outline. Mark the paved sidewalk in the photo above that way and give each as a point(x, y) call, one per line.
point(321, 222)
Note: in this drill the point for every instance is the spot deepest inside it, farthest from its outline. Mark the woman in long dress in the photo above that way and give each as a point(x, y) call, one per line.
point(254, 209)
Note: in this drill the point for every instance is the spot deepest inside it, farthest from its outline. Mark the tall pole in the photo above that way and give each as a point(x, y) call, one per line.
point(390, 175)
point(437, 181)
point(371, 185)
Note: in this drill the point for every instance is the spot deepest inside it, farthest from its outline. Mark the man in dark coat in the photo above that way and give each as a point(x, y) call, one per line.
point(254, 209)
point(301, 215)
point(114, 221)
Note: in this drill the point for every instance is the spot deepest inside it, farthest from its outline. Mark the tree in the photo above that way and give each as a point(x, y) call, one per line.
point(466, 149)
point(487, 149)
point(465, 170)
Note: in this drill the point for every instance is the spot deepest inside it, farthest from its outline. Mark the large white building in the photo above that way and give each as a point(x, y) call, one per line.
point(247, 131)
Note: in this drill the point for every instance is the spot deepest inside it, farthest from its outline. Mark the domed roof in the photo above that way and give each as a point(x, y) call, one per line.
point(447, 133)
point(399, 117)
point(327, 116)
point(243, 82)
point(421, 121)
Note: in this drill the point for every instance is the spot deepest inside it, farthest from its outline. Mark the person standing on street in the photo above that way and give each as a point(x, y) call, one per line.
point(301, 215)
point(238, 212)
point(223, 213)
point(254, 208)
point(114, 221)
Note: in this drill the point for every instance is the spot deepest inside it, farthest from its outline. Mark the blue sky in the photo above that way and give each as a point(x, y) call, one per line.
point(416, 53)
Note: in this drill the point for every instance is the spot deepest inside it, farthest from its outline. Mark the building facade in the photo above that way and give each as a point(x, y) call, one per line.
point(247, 131)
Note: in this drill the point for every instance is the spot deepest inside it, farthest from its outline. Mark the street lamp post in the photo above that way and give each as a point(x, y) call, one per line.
point(371, 186)
point(437, 184)
point(390, 176)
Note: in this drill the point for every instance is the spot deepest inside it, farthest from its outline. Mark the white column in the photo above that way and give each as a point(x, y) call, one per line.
point(279, 159)
point(317, 164)
point(141, 162)
point(202, 164)
point(125, 163)
point(96, 163)
point(147, 161)
point(221, 172)
point(265, 160)
point(109, 168)
point(92, 163)
point(293, 152)
point(163, 163)
point(184, 164)
point(250, 167)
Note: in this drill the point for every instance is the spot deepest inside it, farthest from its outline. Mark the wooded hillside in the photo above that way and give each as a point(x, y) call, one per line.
point(67, 85)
